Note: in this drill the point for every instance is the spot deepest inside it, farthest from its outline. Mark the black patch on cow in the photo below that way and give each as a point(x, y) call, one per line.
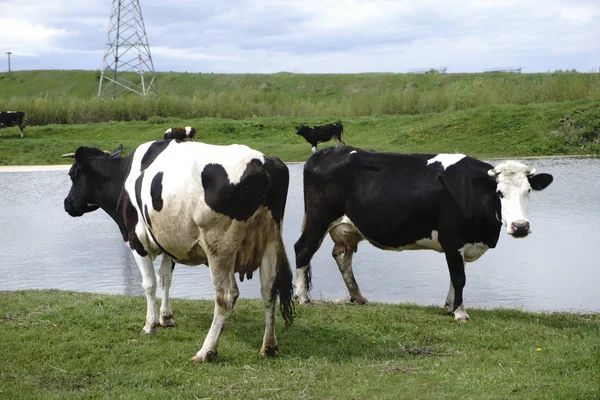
point(147, 216)
point(156, 191)
point(138, 198)
point(238, 201)
point(153, 151)
point(130, 216)
point(277, 195)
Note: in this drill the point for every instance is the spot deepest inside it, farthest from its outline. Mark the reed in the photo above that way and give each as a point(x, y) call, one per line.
point(68, 97)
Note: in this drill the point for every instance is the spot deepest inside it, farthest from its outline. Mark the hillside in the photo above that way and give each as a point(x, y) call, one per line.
point(70, 96)
point(490, 115)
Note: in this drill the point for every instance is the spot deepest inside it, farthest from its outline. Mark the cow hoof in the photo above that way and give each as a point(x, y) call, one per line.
point(304, 300)
point(358, 300)
point(203, 357)
point(462, 317)
point(270, 351)
point(150, 330)
point(167, 322)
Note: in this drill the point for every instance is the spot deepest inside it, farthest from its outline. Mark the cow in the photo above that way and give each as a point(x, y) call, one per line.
point(187, 133)
point(12, 118)
point(449, 203)
point(321, 134)
point(194, 203)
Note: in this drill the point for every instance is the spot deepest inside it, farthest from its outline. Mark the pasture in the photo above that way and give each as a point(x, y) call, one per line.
point(60, 344)
point(69, 345)
point(490, 131)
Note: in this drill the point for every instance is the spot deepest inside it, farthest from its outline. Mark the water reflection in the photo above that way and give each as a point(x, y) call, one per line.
point(553, 269)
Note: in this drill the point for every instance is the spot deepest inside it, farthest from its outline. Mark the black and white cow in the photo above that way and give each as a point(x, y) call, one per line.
point(195, 203)
point(450, 203)
point(12, 118)
point(187, 133)
point(321, 134)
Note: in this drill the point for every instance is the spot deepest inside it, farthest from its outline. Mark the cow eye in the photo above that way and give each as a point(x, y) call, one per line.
point(500, 194)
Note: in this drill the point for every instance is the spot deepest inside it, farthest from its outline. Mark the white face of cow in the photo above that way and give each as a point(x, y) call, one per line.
point(515, 181)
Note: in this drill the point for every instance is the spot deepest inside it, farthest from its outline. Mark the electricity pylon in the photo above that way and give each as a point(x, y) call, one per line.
point(127, 62)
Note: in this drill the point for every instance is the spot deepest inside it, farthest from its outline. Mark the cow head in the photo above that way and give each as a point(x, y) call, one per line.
point(81, 197)
point(300, 129)
point(190, 133)
point(514, 183)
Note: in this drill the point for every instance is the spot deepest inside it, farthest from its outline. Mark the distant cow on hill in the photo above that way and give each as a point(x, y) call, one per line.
point(321, 134)
point(187, 133)
point(12, 118)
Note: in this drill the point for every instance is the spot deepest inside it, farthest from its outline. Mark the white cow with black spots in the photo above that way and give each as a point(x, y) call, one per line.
point(194, 203)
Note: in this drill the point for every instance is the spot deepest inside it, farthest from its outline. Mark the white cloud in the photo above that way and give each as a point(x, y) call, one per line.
point(25, 37)
point(320, 35)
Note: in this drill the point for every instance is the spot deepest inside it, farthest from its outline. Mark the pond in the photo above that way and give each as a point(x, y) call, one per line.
point(554, 269)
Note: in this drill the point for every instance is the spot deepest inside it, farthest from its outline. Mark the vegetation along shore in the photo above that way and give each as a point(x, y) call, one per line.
point(485, 115)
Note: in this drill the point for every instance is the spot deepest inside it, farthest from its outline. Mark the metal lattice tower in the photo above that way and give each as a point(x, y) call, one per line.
point(127, 62)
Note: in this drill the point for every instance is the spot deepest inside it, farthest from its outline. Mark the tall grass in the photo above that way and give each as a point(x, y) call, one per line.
point(188, 96)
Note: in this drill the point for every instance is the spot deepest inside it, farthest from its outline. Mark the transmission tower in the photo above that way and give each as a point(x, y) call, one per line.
point(127, 62)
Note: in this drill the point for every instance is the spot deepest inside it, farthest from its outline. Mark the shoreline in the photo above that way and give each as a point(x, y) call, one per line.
point(65, 167)
point(34, 168)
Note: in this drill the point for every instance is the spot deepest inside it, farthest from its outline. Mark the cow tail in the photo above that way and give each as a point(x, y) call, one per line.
point(284, 285)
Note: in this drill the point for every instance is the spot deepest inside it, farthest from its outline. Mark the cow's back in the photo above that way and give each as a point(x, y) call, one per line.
point(188, 195)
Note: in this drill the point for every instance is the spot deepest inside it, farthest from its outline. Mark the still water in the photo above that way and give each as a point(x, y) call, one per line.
point(557, 268)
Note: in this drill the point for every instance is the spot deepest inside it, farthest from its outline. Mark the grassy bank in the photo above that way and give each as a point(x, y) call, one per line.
point(59, 344)
point(492, 131)
point(69, 97)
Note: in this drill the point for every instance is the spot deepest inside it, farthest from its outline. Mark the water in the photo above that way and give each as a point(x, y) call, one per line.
point(555, 269)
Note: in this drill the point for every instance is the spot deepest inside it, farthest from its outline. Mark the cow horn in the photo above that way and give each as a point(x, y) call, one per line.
point(108, 153)
point(530, 171)
point(493, 173)
point(68, 155)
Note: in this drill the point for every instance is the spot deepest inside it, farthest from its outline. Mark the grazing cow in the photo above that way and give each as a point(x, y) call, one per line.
point(450, 203)
point(321, 134)
point(187, 133)
point(12, 118)
point(195, 203)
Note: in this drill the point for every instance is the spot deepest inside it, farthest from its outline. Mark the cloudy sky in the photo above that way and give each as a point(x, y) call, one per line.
point(312, 36)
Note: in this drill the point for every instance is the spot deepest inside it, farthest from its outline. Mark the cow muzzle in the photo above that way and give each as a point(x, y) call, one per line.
point(77, 211)
point(520, 229)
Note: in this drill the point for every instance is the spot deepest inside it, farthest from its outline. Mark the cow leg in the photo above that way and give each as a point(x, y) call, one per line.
point(268, 273)
point(222, 271)
point(456, 266)
point(450, 299)
point(149, 284)
point(306, 246)
point(314, 149)
point(165, 277)
point(21, 129)
point(346, 240)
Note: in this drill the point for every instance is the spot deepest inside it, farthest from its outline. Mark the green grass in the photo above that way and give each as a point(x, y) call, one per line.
point(57, 344)
point(491, 131)
point(68, 97)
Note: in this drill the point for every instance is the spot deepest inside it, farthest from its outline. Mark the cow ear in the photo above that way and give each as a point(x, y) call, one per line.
point(117, 152)
point(540, 181)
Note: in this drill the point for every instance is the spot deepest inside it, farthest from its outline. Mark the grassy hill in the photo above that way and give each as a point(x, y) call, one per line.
point(495, 114)
point(70, 96)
